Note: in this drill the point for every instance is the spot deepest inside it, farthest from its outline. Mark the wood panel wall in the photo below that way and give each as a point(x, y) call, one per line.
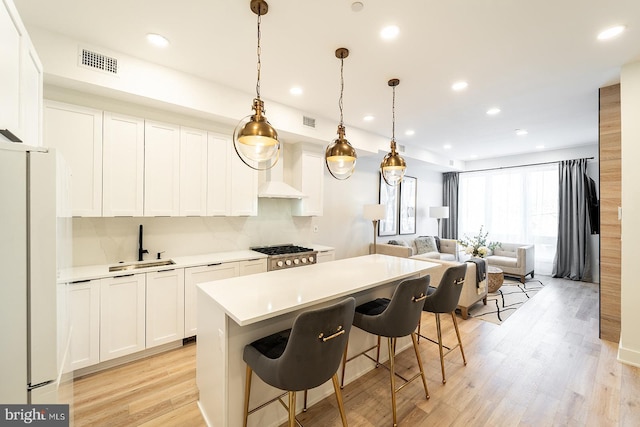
point(610, 198)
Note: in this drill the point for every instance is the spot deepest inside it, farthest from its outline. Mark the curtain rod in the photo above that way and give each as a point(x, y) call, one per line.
point(524, 166)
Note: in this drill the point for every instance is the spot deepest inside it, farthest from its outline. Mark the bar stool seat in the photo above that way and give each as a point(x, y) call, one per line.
point(303, 357)
point(393, 318)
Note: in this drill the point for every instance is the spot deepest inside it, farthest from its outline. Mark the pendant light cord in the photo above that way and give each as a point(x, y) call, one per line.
point(259, 62)
point(393, 115)
point(340, 105)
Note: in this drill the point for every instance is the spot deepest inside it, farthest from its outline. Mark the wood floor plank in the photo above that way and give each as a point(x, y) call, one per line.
point(544, 366)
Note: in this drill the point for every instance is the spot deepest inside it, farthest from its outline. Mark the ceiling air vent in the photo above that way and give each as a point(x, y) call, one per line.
point(98, 61)
point(309, 122)
point(401, 148)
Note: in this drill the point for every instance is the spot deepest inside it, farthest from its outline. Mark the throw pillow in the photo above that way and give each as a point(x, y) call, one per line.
point(397, 242)
point(426, 244)
point(437, 239)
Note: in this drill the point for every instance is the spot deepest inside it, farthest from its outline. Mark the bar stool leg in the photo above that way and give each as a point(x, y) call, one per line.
point(304, 406)
point(344, 363)
point(247, 391)
point(336, 387)
point(415, 348)
point(292, 409)
point(444, 380)
point(455, 325)
point(378, 353)
point(393, 379)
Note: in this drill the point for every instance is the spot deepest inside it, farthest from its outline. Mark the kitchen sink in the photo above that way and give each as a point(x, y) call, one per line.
point(141, 264)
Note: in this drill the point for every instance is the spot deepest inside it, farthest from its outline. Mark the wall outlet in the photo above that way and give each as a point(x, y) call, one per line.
point(315, 228)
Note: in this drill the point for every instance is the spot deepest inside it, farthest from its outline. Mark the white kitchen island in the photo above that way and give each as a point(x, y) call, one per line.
point(234, 312)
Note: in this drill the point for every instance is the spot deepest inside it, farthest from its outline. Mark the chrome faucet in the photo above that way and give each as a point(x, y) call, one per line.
point(141, 250)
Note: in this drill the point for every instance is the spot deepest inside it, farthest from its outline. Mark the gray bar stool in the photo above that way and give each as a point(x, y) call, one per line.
point(302, 357)
point(394, 318)
point(444, 299)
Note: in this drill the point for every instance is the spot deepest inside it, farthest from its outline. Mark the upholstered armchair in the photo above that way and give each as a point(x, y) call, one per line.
point(514, 259)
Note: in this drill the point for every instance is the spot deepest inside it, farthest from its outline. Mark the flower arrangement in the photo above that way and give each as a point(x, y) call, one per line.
point(477, 245)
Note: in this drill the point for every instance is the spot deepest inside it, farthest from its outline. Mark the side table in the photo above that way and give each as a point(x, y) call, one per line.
point(495, 278)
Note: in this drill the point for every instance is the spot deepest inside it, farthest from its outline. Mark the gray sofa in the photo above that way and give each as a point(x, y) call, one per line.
point(448, 250)
point(514, 259)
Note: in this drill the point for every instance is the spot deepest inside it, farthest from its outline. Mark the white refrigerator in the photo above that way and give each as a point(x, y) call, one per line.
point(28, 360)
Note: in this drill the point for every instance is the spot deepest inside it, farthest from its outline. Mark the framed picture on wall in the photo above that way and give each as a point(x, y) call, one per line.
point(388, 197)
point(407, 213)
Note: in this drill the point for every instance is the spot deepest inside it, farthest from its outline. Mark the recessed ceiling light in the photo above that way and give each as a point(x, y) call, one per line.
point(390, 32)
point(473, 156)
point(493, 111)
point(295, 90)
point(157, 40)
point(357, 6)
point(447, 146)
point(612, 32)
point(459, 86)
point(368, 118)
point(539, 147)
point(521, 132)
point(410, 132)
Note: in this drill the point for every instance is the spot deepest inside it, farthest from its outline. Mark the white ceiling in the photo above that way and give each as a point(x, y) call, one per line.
point(538, 61)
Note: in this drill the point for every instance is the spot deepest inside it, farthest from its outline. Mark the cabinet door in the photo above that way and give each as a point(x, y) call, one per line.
point(253, 266)
point(84, 312)
point(161, 169)
point(217, 178)
point(123, 165)
point(325, 256)
point(11, 32)
point(196, 275)
point(165, 307)
point(308, 173)
point(77, 134)
point(122, 315)
point(193, 172)
point(242, 187)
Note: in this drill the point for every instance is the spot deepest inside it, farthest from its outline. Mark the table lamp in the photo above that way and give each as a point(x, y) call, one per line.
point(439, 212)
point(374, 213)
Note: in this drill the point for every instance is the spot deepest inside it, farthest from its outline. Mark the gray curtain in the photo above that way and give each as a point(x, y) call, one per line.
point(572, 260)
point(450, 198)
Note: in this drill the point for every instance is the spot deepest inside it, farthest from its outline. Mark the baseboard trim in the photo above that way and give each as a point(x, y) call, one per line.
point(628, 356)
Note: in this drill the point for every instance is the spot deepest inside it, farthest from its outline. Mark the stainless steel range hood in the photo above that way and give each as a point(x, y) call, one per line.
point(274, 185)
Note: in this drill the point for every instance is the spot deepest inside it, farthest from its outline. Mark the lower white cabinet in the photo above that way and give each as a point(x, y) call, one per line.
point(165, 307)
point(196, 275)
point(122, 315)
point(84, 318)
point(253, 266)
point(325, 256)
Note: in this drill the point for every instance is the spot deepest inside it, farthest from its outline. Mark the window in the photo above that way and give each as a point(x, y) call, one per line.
point(515, 205)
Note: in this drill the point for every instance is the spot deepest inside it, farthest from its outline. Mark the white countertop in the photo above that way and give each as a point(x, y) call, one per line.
point(250, 299)
point(99, 271)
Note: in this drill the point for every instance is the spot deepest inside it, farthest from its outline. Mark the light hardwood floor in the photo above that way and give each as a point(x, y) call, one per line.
point(545, 366)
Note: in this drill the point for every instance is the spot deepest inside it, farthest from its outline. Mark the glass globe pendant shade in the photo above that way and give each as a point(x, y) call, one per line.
point(340, 157)
point(393, 167)
point(256, 141)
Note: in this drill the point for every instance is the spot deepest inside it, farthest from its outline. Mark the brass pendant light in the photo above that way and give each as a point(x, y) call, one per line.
point(254, 139)
point(340, 156)
point(393, 166)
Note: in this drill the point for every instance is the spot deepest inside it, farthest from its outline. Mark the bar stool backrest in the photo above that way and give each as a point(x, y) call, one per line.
point(445, 298)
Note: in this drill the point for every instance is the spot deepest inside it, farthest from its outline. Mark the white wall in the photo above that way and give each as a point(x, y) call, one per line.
point(593, 170)
point(629, 351)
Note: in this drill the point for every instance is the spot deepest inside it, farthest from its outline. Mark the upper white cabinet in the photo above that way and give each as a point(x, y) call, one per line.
point(161, 169)
point(218, 161)
point(193, 172)
point(308, 177)
point(77, 134)
point(123, 165)
point(20, 80)
point(165, 307)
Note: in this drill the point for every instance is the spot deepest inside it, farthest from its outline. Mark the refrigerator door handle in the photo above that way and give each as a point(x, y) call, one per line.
point(32, 387)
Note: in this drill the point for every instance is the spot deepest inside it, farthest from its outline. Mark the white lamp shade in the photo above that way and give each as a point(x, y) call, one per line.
point(439, 212)
point(374, 212)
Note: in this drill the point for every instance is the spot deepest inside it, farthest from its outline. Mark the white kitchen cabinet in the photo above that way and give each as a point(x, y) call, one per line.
point(161, 169)
point(325, 256)
point(218, 166)
point(123, 165)
point(193, 172)
point(196, 275)
point(242, 187)
point(122, 315)
point(253, 266)
point(84, 312)
point(20, 80)
point(76, 132)
point(165, 307)
point(308, 177)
